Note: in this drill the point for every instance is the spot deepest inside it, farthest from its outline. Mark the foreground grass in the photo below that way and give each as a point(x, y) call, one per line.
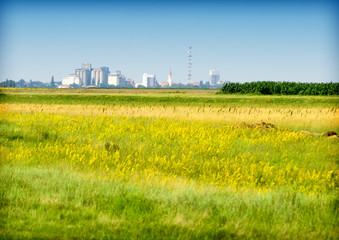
point(55, 202)
point(133, 167)
point(83, 177)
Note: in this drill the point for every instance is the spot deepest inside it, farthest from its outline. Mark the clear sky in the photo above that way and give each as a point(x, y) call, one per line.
point(244, 40)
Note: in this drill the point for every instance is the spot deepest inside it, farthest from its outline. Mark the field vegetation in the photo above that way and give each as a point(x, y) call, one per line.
point(167, 165)
point(284, 88)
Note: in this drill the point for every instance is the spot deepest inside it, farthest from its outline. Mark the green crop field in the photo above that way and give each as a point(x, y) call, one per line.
point(174, 164)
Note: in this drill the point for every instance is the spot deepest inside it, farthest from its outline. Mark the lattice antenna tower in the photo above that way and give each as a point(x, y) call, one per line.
point(189, 70)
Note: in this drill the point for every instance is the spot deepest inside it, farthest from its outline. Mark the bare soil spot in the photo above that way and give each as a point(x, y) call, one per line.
point(261, 125)
point(266, 126)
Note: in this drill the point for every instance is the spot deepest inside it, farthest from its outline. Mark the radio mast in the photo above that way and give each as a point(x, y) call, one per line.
point(189, 70)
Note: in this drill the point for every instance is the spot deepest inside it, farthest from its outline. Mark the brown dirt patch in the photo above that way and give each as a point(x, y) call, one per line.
point(261, 125)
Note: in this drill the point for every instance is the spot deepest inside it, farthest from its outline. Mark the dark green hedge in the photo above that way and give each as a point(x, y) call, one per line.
point(284, 88)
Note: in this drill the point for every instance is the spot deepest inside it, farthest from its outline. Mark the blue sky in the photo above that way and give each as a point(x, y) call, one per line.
point(244, 40)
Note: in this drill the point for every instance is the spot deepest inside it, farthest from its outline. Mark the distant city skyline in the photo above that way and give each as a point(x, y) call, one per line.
point(244, 41)
point(88, 76)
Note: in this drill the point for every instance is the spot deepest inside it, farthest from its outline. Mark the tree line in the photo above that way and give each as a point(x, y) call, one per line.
point(283, 88)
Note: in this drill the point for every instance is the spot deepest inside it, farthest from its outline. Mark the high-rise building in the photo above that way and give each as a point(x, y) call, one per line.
point(148, 80)
point(116, 79)
point(170, 80)
point(214, 77)
point(100, 76)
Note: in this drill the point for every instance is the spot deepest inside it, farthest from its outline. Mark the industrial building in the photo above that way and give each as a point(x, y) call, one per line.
point(71, 79)
point(117, 79)
point(99, 76)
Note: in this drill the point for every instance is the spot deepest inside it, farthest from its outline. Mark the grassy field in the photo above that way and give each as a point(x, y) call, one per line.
point(170, 98)
point(315, 114)
point(167, 165)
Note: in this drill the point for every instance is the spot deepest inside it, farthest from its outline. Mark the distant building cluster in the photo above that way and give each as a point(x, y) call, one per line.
point(87, 77)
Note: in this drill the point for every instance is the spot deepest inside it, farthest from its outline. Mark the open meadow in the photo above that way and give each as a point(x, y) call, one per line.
point(169, 164)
